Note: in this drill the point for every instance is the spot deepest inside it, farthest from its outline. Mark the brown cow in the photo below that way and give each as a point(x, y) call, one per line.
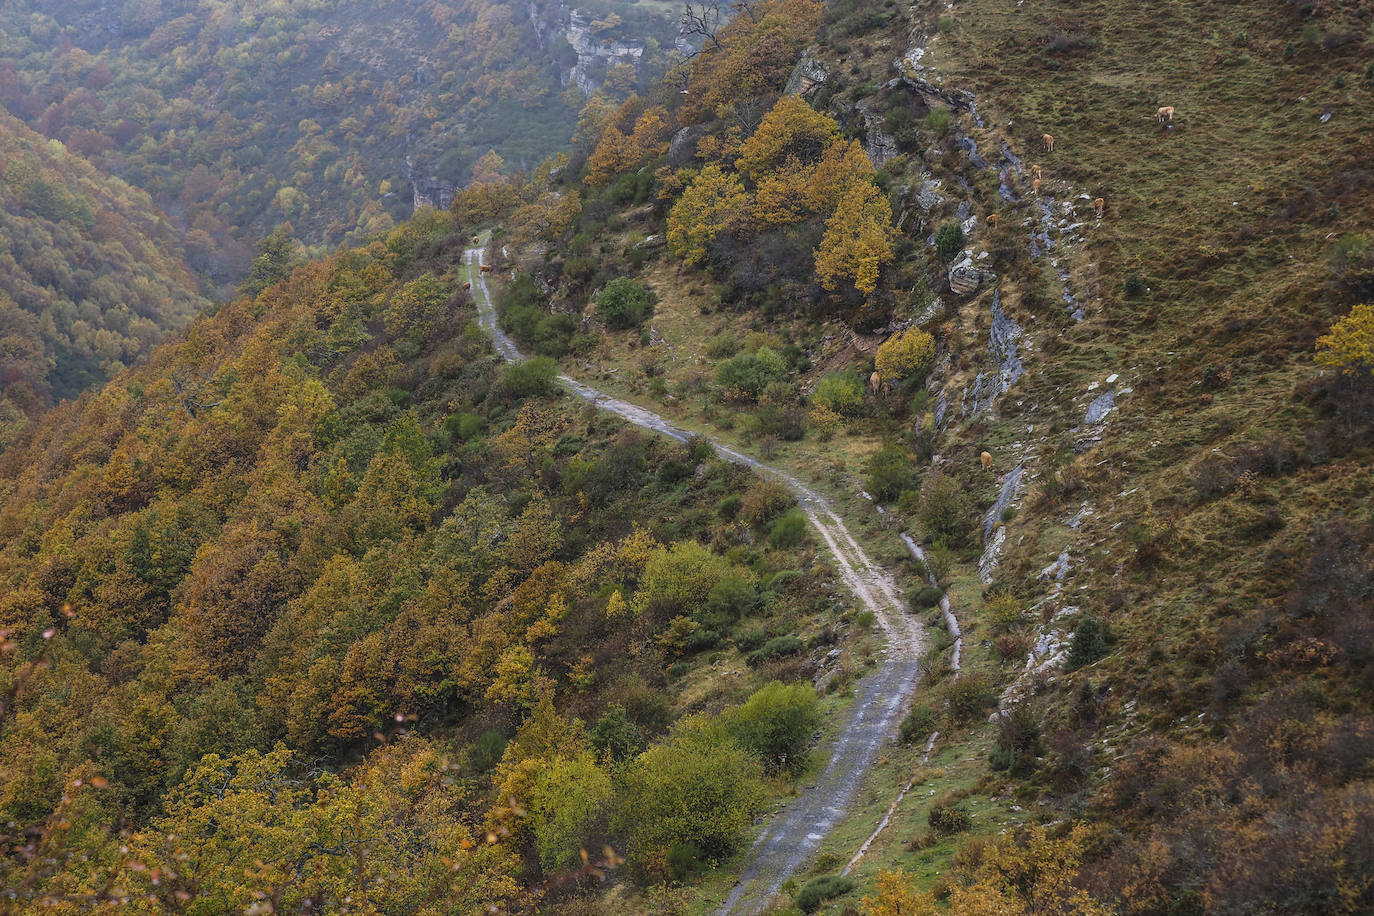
point(986, 458)
point(474, 240)
point(1035, 172)
point(1098, 205)
point(467, 286)
point(1049, 143)
point(485, 268)
point(1165, 115)
point(992, 220)
point(875, 381)
point(1035, 186)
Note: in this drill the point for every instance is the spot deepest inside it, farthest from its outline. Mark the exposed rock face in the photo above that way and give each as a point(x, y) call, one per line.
point(879, 146)
point(684, 144)
point(965, 279)
point(913, 75)
point(589, 47)
point(1002, 345)
point(808, 76)
point(431, 192)
point(929, 197)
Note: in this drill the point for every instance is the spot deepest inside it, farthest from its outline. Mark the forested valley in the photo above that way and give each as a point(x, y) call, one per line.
point(322, 605)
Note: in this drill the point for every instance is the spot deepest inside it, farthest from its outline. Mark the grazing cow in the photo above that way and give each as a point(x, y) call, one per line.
point(474, 240)
point(1035, 186)
point(1165, 115)
point(1098, 205)
point(485, 268)
point(1035, 172)
point(1049, 143)
point(987, 461)
point(992, 220)
point(467, 286)
point(875, 381)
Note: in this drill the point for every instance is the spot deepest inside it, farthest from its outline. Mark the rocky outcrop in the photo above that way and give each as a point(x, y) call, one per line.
point(913, 76)
point(808, 76)
point(1003, 338)
point(929, 197)
point(879, 145)
point(586, 42)
point(684, 144)
point(965, 279)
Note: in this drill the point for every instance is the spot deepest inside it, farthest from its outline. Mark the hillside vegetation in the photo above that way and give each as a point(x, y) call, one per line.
point(322, 604)
point(237, 117)
point(91, 275)
point(325, 608)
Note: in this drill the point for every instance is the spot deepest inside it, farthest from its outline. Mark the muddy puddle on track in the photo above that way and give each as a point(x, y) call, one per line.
point(794, 834)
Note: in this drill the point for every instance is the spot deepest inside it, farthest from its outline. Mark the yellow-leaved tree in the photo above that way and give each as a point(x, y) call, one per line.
point(857, 241)
point(791, 130)
point(708, 206)
point(1350, 345)
point(904, 354)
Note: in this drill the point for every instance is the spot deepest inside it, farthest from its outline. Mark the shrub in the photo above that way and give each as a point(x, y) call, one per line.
point(1349, 347)
point(746, 375)
point(777, 647)
point(818, 890)
point(486, 752)
point(903, 355)
point(615, 736)
point(699, 787)
point(929, 596)
point(946, 511)
point(1018, 741)
point(565, 807)
point(764, 501)
point(625, 303)
point(947, 816)
point(788, 531)
point(1089, 642)
point(938, 120)
point(969, 696)
point(535, 377)
point(776, 725)
point(890, 471)
point(949, 241)
point(1135, 286)
point(918, 723)
point(841, 392)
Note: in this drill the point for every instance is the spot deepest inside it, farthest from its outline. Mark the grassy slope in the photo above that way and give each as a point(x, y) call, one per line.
point(1228, 217)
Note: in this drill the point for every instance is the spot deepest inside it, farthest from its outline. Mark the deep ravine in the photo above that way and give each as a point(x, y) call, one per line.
point(880, 698)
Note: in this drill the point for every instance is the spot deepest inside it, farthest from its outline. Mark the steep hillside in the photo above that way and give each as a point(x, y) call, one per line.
point(91, 275)
point(338, 118)
point(324, 607)
point(1076, 344)
point(1060, 309)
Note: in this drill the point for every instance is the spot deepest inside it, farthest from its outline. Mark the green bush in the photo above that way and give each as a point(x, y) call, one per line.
point(818, 890)
point(969, 696)
point(615, 736)
point(938, 120)
point(1018, 741)
point(625, 303)
point(699, 787)
point(890, 471)
point(918, 723)
point(777, 647)
point(929, 596)
point(1089, 642)
point(841, 392)
point(748, 374)
point(947, 816)
point(535, 377)
point(949, 241)
point(486, 752)
point(946, 511)
point(788, 531)
point(776, 725)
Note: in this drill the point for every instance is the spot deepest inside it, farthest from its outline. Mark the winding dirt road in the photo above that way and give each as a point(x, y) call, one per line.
point(794, 835)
